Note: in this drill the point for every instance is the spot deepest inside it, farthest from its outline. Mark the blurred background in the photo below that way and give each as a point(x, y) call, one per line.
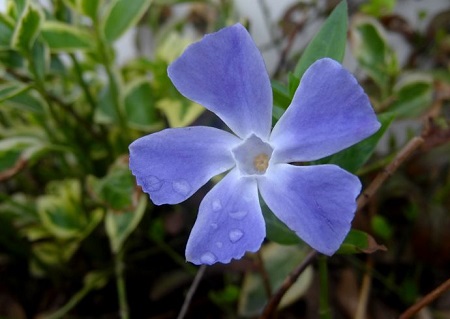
point(81, 79)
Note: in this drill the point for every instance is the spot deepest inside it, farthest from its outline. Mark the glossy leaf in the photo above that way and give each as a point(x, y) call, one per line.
point(359, 242)
point(122, 15)
point(278, 262)
point(330, 41)
point(62, 37)
point(27, 28)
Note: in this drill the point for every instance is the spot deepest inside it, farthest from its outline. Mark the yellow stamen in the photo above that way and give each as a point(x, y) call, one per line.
point(261, 162)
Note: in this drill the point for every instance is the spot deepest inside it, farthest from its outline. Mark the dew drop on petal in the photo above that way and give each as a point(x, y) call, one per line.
point(239, 215)
point(182, 187)
point(216, 205)
point(208, 258)
point(151, 183)
point(235, 235)
point(219, 244)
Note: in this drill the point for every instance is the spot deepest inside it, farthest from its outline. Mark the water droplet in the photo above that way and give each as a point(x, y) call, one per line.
point(182, 187)
point(216, 205)
point(219, 244)
point(208, 258)
point(239, 215)
point(214, 226)
point(151, 183)
point(235, 235)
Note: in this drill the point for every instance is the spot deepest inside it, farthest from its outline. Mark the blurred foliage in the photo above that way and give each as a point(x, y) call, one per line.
point(77, 236)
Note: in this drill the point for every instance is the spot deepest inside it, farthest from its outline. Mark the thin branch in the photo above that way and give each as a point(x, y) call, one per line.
point(411, 311)
point(264, 275)
point(288, 282)
point(404, 153)
point(191, 292)
point(365, 290)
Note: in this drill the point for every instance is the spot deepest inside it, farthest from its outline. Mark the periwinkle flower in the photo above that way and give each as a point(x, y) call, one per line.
point(225, 73)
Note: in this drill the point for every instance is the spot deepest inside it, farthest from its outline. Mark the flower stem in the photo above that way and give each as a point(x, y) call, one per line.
point(324, 307)
point(120, 283)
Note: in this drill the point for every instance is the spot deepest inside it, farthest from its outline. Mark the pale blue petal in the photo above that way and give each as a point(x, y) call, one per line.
point(229, 222)
point(172, 164)
point(317, 202)
point(329, 112)
point(225, 72)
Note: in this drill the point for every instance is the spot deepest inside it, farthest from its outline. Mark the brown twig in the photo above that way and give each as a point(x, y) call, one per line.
point(404, 153)
point(411, 311)
point(273, 303)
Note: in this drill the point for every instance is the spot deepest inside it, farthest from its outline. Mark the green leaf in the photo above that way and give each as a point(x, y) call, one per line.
point(61, 212)
point(116, 189)
point(62, 37)
point(276, 230)
point(370, 47)
point(413, 96)
point(378, 8)
point(179, 113)
point(20, 5)
point(89, 7)
point(278, 263)
point(122, 15)
point(11, 59)
point(281, 96)
point(359, 242)
point(330, 41)
point(27, 28)
point(140, 107)
point(11, 89)
point(354, 157)
point(119, 225)
point(27, 100)
point(17, 150)
point(40, 56)
point(6, 31)
point(382, 227)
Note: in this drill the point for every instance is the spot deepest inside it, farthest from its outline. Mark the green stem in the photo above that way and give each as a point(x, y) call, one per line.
point(113, 86)
point(324, 307)
point(119, 268)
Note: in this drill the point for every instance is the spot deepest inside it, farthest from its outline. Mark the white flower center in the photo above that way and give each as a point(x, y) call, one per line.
point(252, 156)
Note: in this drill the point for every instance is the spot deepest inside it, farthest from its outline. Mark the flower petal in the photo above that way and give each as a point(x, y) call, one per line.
point(317, 202)
point(229, 222)
point(225, 72)
point(172, 164)
point(329, 112)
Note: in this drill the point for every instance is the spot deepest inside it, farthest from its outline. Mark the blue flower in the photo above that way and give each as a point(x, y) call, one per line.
point(225, 73)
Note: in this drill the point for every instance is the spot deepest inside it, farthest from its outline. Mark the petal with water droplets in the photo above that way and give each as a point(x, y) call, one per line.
point(229, 222)
point(172, 164)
